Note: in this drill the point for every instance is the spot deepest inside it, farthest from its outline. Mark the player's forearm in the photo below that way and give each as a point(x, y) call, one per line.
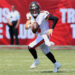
point(55, 20)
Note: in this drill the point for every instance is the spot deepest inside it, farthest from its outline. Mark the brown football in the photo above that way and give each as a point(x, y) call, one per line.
point(35, 27)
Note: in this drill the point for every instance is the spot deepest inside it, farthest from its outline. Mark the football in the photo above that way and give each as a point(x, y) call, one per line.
point(35, 27)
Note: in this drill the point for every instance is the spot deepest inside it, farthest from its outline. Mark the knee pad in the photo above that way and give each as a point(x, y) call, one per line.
point(45, 49)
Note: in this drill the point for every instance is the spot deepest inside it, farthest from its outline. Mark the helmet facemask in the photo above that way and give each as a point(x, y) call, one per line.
point(35, 12)
point(34, 9)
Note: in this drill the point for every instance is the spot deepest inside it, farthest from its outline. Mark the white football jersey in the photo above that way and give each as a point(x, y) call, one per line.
point(41, 20)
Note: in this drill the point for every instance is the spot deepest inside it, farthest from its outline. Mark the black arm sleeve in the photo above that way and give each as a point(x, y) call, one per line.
point(55, 20)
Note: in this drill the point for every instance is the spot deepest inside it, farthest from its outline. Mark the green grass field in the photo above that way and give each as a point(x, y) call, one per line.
point(18, 61)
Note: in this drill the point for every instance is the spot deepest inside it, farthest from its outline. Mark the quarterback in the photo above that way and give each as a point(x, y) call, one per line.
point(37, 20)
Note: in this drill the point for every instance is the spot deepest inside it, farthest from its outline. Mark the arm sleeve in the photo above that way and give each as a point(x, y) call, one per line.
point(55, 20)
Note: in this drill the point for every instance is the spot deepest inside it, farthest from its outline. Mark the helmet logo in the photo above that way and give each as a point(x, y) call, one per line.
point(33, 4)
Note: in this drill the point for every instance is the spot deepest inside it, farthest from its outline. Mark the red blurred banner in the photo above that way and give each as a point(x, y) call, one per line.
point(64, 32)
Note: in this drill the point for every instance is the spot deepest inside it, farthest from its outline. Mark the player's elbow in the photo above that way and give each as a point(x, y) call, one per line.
point(56, 19)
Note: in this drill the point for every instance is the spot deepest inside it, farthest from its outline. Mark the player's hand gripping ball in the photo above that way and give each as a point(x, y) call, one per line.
point(35, 27)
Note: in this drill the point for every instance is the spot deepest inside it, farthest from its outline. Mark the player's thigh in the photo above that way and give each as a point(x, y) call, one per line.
point(45, 49)
point(37, 42)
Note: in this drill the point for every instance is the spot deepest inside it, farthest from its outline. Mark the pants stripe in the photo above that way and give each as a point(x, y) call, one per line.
point(39, 43)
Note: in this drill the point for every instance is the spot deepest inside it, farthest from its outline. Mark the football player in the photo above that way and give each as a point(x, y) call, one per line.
point(42, 30)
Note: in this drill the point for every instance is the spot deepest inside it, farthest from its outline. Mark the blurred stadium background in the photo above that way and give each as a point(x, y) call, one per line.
point(64, 32)
point(14, 59)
